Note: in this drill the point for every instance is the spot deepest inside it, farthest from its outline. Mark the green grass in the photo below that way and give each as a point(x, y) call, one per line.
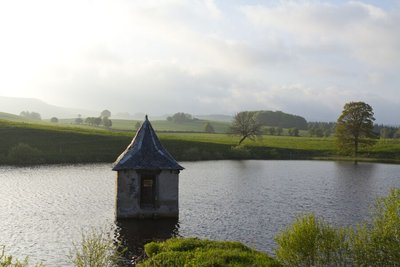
point(61, 143)
point(305, 143)
point(196, 252)
point(161, 125)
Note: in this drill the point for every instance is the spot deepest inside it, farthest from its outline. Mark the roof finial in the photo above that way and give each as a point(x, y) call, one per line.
point(146, 118)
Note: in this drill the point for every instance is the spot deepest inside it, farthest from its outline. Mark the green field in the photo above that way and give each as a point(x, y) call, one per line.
point(161, 125)
point(70, 143)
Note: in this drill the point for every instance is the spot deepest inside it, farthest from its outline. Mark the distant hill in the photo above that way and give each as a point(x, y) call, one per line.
point(15, 105)
point(281, 119)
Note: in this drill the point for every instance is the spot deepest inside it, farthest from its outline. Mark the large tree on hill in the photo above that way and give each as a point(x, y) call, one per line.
point(245, 125)
point(354, 127)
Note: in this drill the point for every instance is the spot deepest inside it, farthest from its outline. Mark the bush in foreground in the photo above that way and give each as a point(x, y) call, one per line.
point(196, 252)
point(378, 243)
point(312, 242)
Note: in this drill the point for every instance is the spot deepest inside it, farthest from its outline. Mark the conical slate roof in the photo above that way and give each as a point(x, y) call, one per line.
point(146, 153)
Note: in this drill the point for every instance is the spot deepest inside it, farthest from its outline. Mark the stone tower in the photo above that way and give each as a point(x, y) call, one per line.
point(148, 178)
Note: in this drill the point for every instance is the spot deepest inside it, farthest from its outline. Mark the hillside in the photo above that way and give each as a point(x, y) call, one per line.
point(57, 144)
point(61, 144)
point(281, 119)
point(11, 117)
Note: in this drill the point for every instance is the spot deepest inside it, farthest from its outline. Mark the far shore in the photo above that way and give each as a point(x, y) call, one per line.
point(31, 144)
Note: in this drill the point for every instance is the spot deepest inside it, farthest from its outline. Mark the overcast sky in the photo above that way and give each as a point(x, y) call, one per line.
point(204, 56)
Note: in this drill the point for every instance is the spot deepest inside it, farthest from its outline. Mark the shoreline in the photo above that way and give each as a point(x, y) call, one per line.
point(332, 159)
point(30, 144)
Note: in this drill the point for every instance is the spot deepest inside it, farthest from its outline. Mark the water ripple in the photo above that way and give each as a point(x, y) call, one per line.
point(45, 209)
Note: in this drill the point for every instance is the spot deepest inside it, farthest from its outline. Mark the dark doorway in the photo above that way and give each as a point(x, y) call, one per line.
point(148, 191)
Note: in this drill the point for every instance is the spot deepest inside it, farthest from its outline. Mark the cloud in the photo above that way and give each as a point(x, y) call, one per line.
point(364, 31)
point(303, 57)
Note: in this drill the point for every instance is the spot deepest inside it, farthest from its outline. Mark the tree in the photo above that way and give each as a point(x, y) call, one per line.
point(397, 134)
point(293, 132)
point(354, 127)
point(279, 131)
point(105, 113)
point(272, 131)
point(31, 115)
point(208, 128)
point(89, 120)
point(97, 121)
point(54, 119)
point(79, 120)
point(245, 124)
point(106, 122)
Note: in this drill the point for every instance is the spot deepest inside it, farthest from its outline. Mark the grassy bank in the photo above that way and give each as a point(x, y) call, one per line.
point(196, 252)
point(66, 144)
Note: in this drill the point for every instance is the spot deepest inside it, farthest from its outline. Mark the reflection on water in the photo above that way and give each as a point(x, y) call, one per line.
point(44, 209)
point(135, 233)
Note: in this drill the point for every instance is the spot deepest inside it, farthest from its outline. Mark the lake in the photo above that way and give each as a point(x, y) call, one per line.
point(45, 209)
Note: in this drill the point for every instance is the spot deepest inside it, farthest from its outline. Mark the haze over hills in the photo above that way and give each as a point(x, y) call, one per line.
point(15, 105)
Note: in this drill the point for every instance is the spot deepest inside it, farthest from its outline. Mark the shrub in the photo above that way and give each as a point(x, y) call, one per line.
point(24, 154)
point(192, 153)
point(240, 152)
point(311, 242)
point(379, 244)
point(97, 249)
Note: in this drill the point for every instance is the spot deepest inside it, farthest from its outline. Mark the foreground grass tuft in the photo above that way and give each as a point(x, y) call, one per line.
point(10, 261)
point(196, 252)
point(97, 249)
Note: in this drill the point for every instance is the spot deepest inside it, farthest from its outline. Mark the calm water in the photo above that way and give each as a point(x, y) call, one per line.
point(45, 209)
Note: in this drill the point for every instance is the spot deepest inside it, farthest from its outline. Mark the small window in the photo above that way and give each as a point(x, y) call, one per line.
point(147, 183)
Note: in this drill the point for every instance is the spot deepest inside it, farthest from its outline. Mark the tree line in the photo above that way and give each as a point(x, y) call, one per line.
point(353, 129)
point(103, 119)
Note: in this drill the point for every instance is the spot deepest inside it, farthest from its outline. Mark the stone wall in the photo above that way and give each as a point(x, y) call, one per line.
point(128, 196)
